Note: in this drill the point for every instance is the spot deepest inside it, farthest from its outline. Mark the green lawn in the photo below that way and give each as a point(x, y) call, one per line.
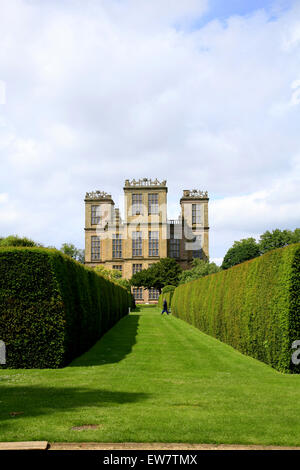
point(153, 378)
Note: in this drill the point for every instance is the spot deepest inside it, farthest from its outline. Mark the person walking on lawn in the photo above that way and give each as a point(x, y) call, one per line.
point(165, 307)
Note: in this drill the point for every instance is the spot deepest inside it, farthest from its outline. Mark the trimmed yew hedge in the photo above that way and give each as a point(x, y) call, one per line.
point(52, 308)
point(166, 293)
point(254, 306)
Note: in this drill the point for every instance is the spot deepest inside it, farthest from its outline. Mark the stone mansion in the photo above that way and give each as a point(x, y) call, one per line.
point(146, 234)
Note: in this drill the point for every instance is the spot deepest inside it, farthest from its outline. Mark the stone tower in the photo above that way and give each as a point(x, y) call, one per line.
point(146, 235)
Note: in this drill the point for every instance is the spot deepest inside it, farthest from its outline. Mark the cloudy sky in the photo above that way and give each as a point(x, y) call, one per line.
point(203, 93)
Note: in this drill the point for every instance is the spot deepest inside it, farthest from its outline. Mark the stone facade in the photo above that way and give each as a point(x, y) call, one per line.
point(146, 234)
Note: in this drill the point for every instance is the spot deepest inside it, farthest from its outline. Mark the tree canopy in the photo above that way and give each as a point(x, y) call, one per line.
point(248, 248)
point(200, 268)
point(278, 239)
point(165, 272)
point(242, 250)
point(71, 250)
point(113, 275)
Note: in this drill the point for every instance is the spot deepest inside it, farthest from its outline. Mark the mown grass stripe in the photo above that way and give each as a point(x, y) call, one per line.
point(153, 378)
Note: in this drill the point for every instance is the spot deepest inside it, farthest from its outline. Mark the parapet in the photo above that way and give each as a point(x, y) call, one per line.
point(194, 194)
point(145, 182)
point(98, 196)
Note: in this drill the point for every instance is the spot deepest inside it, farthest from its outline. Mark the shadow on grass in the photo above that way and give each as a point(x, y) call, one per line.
point(39, 400)
point(114, 346)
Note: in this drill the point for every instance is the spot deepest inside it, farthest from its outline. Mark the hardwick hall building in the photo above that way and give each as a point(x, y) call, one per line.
point(146, 234)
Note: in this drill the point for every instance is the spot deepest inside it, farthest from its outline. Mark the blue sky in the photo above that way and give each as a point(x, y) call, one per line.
point(222, 10)
point(101, 91)
point(226, 8)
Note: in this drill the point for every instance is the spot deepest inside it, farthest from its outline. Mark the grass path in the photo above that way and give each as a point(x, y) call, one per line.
point(153, 378)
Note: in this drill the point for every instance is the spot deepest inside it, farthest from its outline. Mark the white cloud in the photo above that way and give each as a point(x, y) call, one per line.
point(218, 261)
point(276, 206)
point(146, 16)
point(8, 213)
point(2, 92)
point(3, 198)
point(291, 32)
point(100, 91)
point(295, 99)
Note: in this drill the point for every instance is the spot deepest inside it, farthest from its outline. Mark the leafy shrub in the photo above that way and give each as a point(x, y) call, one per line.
point(52, 308)
point(254, 306)
point(14, 240)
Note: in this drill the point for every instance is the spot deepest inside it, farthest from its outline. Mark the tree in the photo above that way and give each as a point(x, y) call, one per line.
point(242, 250)
point(71, 250)
point(124, 283)
point(278, 239)
point(200, 268)
point(165, 272)
point(14, 240)
point(296, 235)
point(111, 274)
point(145, 278)
point(81, 256)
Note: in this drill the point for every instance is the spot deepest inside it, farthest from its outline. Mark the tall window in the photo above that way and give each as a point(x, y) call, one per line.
point(117, 267)
point(138, 293)
point(96, 215)
point(153, 294)
point(137, 204)
point(95, 248)
point(174, 248)
point(117, 245)
point(197, 251)
point(153, 203)
point(137, 241)
point(196, 213)
point(153, 243)
point(136, 268)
